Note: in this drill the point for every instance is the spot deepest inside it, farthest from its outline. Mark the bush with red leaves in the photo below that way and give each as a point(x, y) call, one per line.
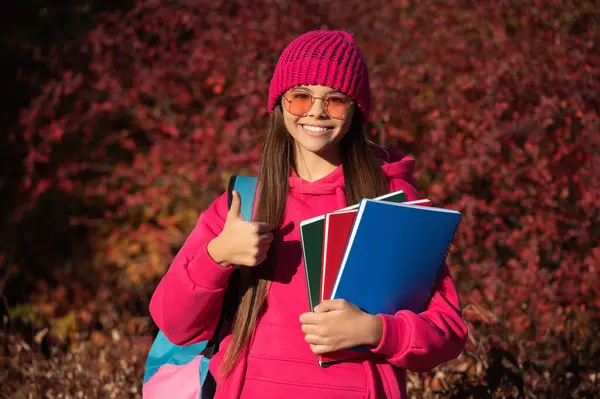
point(496, 100)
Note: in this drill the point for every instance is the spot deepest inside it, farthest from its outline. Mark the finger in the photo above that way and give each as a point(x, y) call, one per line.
point(315, 339)
point(263, 248)
point(264, 244)
point(254, 260)
point(309, 318)
point(329, 305)
point(262, 227)
point(235, 210)
point(321, 349)
point(261, 258)
point(312, 329)
point(265, 239)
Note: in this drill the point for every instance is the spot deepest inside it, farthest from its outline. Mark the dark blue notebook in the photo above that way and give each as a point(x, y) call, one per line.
point(394, 255)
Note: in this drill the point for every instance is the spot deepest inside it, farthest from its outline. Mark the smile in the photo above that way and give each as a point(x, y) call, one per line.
point(315, 130)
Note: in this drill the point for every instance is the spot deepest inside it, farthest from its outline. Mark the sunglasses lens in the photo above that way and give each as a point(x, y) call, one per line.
point(298, 103)
point(338, 106)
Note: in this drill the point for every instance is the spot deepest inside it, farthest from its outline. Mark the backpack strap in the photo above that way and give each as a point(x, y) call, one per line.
point(246, 187)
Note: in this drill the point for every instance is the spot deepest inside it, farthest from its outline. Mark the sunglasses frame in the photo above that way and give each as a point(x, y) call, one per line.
point(324, 104)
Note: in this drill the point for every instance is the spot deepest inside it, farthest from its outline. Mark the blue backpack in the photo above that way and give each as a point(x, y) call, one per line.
point(181, 372)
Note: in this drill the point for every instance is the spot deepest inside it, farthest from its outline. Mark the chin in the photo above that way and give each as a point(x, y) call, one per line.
point(313, 144)
point(315, 149)
point(318, 148)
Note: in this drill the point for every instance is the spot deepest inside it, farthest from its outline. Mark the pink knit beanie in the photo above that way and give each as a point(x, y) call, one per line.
point(326, 57)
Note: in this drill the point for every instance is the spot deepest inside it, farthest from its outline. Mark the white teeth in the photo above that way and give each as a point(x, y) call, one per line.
point(315, 128)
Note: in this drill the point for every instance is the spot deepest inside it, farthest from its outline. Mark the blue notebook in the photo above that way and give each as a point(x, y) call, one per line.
point(393, 256)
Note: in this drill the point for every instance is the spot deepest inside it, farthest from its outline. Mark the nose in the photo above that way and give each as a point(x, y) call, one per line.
point(318, 108)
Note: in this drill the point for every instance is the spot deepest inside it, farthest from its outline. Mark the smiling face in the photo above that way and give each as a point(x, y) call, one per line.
point(316, 130)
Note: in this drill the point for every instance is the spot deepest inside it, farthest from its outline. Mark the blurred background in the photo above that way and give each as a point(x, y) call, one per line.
point(122, 120)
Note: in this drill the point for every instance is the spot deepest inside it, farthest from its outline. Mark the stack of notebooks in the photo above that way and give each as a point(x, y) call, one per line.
point(383, 255)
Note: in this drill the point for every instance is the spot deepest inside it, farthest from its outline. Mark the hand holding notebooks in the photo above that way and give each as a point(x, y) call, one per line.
point(337, 229)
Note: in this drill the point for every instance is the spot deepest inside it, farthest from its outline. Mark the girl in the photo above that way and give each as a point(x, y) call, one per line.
point(315, 159)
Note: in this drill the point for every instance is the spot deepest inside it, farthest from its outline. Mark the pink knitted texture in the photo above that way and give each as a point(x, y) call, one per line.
point(323, 57)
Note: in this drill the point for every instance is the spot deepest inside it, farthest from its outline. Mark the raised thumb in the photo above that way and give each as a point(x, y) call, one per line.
point(235, 210)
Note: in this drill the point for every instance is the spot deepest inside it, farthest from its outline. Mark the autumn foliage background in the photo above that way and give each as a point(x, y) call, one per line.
point(123, 121)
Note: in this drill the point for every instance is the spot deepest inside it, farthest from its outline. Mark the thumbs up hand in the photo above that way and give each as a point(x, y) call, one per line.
point(241, 242)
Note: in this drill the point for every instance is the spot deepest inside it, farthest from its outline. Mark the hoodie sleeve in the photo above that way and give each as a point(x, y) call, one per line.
point(187, 301)
point(420, 342)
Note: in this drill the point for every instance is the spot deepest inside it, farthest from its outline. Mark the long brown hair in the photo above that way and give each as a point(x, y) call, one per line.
point(363, 179)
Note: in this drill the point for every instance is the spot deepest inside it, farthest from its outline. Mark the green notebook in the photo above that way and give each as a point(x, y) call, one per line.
point(311, 236)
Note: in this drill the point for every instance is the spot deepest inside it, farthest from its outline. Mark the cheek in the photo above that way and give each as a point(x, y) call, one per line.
point(290, 123)
point(345, 126)
point(342, 129)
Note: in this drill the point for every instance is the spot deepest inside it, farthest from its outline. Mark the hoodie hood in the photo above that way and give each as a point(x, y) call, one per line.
point(394, 165)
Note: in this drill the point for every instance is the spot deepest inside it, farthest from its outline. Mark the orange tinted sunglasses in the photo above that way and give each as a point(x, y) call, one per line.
point(299, 103)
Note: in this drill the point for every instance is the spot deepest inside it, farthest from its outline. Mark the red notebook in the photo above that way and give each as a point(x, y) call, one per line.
point(337, 228)
point(336, 231)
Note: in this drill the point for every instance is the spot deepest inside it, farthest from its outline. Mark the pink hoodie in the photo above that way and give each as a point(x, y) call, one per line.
point(278, 362)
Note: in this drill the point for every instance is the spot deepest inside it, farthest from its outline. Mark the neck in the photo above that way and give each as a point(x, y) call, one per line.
point(312, 167)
